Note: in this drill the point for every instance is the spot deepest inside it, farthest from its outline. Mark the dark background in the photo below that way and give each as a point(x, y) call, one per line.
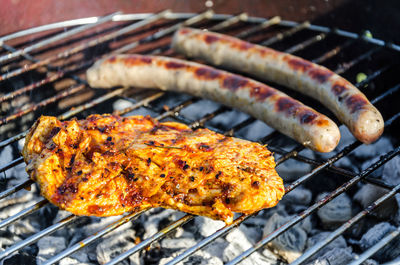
point(382, 18)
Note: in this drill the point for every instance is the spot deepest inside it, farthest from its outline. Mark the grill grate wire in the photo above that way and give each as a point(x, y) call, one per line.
point(225, 23)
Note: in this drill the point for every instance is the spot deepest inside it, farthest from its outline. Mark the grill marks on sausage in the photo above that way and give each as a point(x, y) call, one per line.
point(306, 116)
point(175, 65)
point(319, 74)
point(287, 105)
point(291, 107)
point(233, 83)
point(298, 64)
point(338, 88)
point(207, 73)
point(261, 92)
point(136, 60)
point(356, 103)
point(211, 39)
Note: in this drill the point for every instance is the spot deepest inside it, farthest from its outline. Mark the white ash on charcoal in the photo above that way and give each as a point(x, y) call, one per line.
point(255, 131)
point(72, 261)
point(207, 226)
point(369, 193)
point(121, 104)
point(392, 262)
point(339, 243)
point(198, 258)
point(298, 199)
point(157, 219)
point(115, 244)
point(49, 246)
point(228, 120)
point(290, 244)
point(371, 153)
point(239, 241)
point(377, 233)
point(336, 256)
point(177, 243)
point(293, 169)
point(336, 212)
point(19, 258)
point(371, 262)
point(200, 108)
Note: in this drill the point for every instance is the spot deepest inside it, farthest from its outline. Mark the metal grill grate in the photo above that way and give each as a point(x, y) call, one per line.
point(66, 55)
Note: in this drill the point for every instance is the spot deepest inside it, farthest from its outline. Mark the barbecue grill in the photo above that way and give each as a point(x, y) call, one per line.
point(46, 65)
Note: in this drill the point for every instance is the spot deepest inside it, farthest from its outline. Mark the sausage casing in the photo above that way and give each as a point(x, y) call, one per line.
point(349, 104)
point(265, 103)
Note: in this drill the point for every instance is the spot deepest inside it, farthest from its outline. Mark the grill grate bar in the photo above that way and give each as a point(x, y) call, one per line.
point(385, 158)
point(16, 188)
point(287, 33)
point(143, 102)
point(95, 236)
point(160, 234)
point(314, 249)
point(31, 87)
point(61, 95)
point(333, 52)
point(341, 69)
point(37, 236)
point(229, 22)
point(307, 43)
point(12, 164)
point(176, 109)
point(382, 243)
point(23, 213)
point(55, 38)
point(83, 46)
point(164, 32)
point(266, 24)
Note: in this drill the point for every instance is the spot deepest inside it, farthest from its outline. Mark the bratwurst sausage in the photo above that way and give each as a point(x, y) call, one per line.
point(265, 103)
point(349, 105)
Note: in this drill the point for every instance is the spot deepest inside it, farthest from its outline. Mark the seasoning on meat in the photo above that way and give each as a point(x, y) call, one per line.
point(79, 171)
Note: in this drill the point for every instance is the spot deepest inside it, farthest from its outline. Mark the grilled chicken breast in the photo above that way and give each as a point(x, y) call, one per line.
point(107, 165)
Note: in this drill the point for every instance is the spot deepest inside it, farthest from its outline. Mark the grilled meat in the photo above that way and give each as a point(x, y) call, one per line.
point(107, 165)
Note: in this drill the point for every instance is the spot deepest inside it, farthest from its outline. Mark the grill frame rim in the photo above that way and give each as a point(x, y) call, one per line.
point(186, 15)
